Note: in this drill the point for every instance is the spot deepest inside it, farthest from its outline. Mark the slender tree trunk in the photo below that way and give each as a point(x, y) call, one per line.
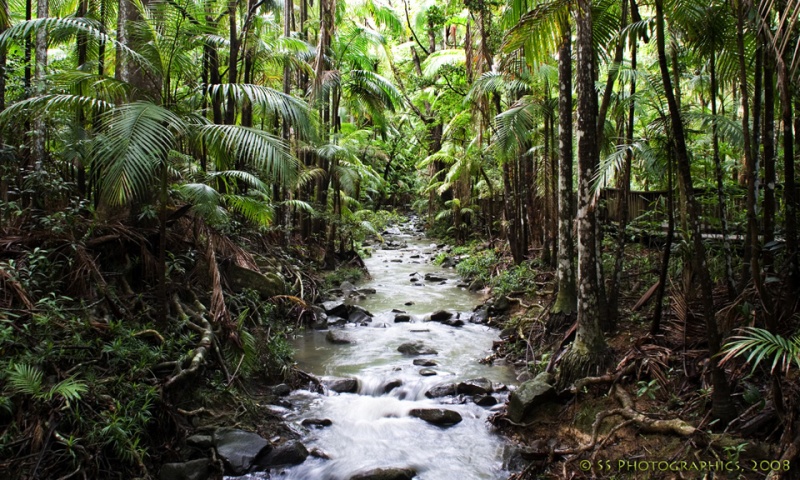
point(40, 133)
point(769, 158)
point(233, 61)
point(566, 301)
point(722, 403)
point(655, 326)
point(588, 354)
point(624, 188)
point(723, 215)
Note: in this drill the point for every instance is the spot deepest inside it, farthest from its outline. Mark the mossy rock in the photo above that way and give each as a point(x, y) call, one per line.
point(266, 284)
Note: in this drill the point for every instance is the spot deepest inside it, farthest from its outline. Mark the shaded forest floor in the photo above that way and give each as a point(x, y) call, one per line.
point(649, 416)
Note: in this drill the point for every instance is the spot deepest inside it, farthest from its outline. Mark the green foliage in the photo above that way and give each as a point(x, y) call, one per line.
point(515, 279)
point(480, 266)
point(648, 389)
point(760, 344)
point(335, 278)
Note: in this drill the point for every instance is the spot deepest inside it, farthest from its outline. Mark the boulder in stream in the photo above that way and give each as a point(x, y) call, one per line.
point(416, 348)
point(316, 422)
point(192, 470)
point(339, 337)
point(290, 453)
point(475, 386)
point(437, 416)
point(424, 362)
point(239, 449)
point(386, 474)
point(443, 390)
point(534, 393)
point(402, 317)
point(341, 385)
point(427, 372)
point(440, 316)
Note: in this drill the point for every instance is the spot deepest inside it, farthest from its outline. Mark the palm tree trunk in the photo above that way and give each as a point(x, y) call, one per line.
point(655, 326)
point(567, 300)
point(39, 142)
point(722, 404)
point(233, 61)
point(588, 354)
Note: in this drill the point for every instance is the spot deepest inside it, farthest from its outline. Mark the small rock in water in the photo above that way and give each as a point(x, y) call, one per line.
point(391, 385)
point(281, 390)
point(408, 303)
point(427, 372)
point(484, 400)
point(437, 416)
point(395, 310)
point(396, 260)
point(433, 278)
point(239, 449)
point(413, 279)
point(319, 453)
point(386, 474)
point(441, 315)
point(475, 386)
point(402, 317)
point(317, 422)
point(424, 362)
point(441, 391)
point(416, 348)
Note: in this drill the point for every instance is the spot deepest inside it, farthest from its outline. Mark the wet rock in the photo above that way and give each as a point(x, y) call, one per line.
point(341, 385)
point(396, 260)
point(441, 315)
point(193, 470)
point(339, 337)
point(529, 396)
point(266, 284)
point(413, 279)
point(416, 348)
point(334, 321)
point(424, 362)
point(290, 453)
point(436, 416)
point(484, 400)
point(239, 449)
point(447, 263)
point(408, 303)
point(475, 386)
point(281, 390)
point(347, 287)
point(391, 385)
point(200, 441)
point(386, 474)
point(427, 372)
point(359, 317)
point(416, 255)
point(476, 285)
point(433, 278)
point(367, 291)
point(396, 310)
point(402, 317)
point(316, 422)
point(336, 308)
point(319, 453)
point(439, 391)
point(480, 315)
point(500, 306)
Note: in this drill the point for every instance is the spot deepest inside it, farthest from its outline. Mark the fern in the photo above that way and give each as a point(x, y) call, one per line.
point(26, 379)
point(759, 344)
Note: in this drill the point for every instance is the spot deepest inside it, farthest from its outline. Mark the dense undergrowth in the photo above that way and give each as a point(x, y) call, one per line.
point(97, 380)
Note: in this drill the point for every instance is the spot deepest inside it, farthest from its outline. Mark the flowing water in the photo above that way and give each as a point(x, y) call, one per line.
point(371, 429)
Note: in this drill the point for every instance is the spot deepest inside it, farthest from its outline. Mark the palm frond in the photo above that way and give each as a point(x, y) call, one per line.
point(760, 344)
point(440, 58)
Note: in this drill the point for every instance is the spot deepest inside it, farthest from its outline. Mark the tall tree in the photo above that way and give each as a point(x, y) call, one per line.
point(588, 354)
point(722, 405)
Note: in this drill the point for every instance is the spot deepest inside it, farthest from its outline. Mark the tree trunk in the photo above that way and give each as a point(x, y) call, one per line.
point(588, 354)
point(233, 61)
point(40, 139)
point(769, 157)
point(147, 85)
point(722, 403)
point(566, 301)
point(624, 187)
point(723, 211)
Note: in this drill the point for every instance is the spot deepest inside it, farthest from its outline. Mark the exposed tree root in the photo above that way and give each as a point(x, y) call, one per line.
point(198, 355)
